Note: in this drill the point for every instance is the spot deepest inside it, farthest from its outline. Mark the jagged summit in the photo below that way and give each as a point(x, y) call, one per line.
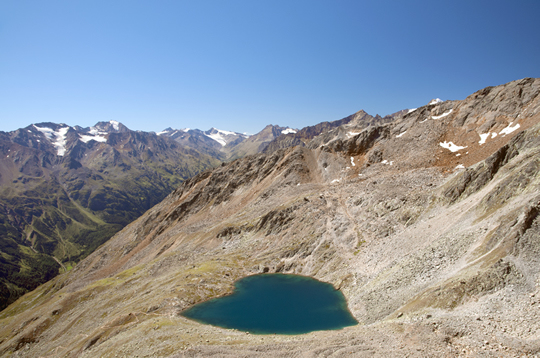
point(226, 145)
point(358, 121)
point(223, 137)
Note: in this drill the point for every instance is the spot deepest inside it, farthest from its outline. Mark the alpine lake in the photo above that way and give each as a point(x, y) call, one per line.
point(276, 304)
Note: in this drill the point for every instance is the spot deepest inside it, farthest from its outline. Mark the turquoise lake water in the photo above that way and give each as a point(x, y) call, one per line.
point(276, 303)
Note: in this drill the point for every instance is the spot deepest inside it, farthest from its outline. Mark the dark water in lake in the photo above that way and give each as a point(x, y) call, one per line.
point(276, 303)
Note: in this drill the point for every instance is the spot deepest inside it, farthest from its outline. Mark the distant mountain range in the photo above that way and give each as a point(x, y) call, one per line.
point(66, 190)
point(226, 145)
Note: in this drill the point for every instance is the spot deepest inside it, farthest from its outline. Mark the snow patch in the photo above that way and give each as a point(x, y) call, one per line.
point(451, 146)
point(218, 138)
point(88, 138)
point(387, 162)
point(61, 140)
point(94, 134)
point(115, 124)
point(48, 132)
point(95, 131)
point(352, 134)
point(335, 181)
point(57, 138)
point(399, 135)
point(225, 132)
point(352, 162)
point(162, 132)
point(509, 129)
point(460, 166)
point(435, 101)
point(483, 138)
point(288, 130)
point(412, 110)
point(442, 115)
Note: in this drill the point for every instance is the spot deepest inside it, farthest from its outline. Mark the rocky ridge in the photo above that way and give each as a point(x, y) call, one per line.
point(358, 121)
point(226, 145)
point(428, 224)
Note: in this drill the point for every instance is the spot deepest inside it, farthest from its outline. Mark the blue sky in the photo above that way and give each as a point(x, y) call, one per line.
point(240, 65)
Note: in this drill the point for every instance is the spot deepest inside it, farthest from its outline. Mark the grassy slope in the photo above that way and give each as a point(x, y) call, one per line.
point(50, 223)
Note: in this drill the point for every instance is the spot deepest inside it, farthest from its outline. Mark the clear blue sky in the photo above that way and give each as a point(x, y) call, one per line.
point(240, 65)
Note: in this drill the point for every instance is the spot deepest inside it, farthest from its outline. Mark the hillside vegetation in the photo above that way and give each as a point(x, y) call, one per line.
point(56, 209)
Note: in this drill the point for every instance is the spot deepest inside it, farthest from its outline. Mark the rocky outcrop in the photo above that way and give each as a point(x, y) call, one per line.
point(359, 120)
point(352, 143)
point(472, 179)
point(285, 141)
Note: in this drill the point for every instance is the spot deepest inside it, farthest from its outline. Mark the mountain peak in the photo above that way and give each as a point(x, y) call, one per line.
point(223, 137)
point(165, 131)
point(111, 126)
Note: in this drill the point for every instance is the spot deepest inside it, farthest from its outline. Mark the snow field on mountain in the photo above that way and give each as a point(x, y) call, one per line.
point(509, 129)
point(57, 138)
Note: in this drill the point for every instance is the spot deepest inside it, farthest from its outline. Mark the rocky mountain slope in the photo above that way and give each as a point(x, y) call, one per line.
point(358, 121)
point(65, 190)
point(428, 225)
